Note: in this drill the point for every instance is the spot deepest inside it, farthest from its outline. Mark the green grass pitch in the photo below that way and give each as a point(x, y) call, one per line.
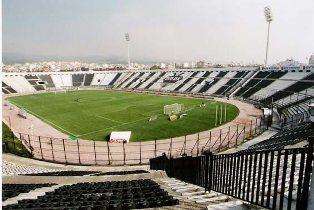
point(93, 114)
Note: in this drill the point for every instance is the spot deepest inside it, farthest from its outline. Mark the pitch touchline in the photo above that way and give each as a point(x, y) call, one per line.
point(43, 119)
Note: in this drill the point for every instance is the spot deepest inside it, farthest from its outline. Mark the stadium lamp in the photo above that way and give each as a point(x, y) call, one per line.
point(269, 18)
point(127, 39)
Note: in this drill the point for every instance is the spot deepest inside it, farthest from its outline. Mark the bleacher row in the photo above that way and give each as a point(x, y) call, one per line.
point(142, 193)
point(13, 190)
point(283, 138)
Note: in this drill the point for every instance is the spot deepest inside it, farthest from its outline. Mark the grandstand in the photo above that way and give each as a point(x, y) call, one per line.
point(254, 161)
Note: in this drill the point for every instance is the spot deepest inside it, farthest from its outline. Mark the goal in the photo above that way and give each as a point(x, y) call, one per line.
point(173, 109)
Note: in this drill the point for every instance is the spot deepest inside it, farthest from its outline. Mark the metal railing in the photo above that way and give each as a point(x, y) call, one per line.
point(88, 152)
point(274, 179)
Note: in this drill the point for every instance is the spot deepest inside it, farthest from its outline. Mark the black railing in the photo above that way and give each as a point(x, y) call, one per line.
point(274, 179)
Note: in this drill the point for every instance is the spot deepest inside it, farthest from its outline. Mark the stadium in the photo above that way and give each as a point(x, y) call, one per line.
point(225, 113)
point(182, 133)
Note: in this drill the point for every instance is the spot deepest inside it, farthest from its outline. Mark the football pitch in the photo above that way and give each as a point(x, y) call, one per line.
point(94, 114)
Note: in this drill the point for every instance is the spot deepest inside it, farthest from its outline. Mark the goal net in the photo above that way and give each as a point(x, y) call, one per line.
point(173, 109)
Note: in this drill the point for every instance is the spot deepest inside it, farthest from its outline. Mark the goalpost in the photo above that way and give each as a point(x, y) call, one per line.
point(173, 109)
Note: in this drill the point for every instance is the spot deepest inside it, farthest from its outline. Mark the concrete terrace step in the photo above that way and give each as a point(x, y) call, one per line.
point(216, 199)
point(235, 205)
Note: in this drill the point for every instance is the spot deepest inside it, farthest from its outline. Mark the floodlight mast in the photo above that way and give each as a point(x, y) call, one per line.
point(269, 18)
point(127, 39)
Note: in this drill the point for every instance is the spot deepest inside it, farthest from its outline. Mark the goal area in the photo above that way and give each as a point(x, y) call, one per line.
point(173, 109)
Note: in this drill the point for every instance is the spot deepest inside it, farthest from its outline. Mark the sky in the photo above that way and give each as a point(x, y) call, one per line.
point(179, 30)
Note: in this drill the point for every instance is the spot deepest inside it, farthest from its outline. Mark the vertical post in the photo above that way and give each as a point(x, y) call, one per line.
point(244, 133)
point(236, 144)
point(251, 127)
point(229, 137)
point(29, 143)
point(216, 120)
point(207, 187)
point(184, 145)
point(225, 112)
point(140, 151)
point(14, 142)
point(108, 153)
point(170, 148)
point(65, 155)
point(123, 152)
point(260, 125)
point(10, 125)
point(53, 156)
point(41, 150)
point(155, 148)
point(307, 201)
point(198, 143)
point(219, 140)
point(220, 120)
point(95, 155)
point(78, 151)
point(255, 132)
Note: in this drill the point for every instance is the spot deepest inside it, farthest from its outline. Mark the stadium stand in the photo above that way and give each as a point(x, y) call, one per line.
point(295, 98)
point(264, 86)
point(136, 78)
point(197, 85)
point(35, 81)
point(143, 193)
point(77, 79)
point(285, 81)
point(66, 80)
point(305, 83)
point(221, 82)
point(19, 84)
point(172, 80)
point(148, 81)
point(192, 81)
point(214, 78)
point(117, 76)
point(125, 78)
point(13, 190)
point(231, 83)
point(261, 80)
point(57, 81)
point(48, 80)
point(155, 80)
point(143, 80)
point(189, 77)
point(88, 79)
point(7, 89)
point(284, 138)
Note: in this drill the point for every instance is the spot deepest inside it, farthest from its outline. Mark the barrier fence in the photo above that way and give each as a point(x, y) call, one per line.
point(274, 179)
point(84, 152)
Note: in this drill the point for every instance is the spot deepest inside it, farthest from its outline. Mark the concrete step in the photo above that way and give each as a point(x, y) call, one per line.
point(215, 199)
point(234, 205)
point(193, 192)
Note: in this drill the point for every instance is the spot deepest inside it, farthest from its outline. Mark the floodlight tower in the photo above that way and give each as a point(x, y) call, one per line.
point(269, 19)
point(127, 39)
